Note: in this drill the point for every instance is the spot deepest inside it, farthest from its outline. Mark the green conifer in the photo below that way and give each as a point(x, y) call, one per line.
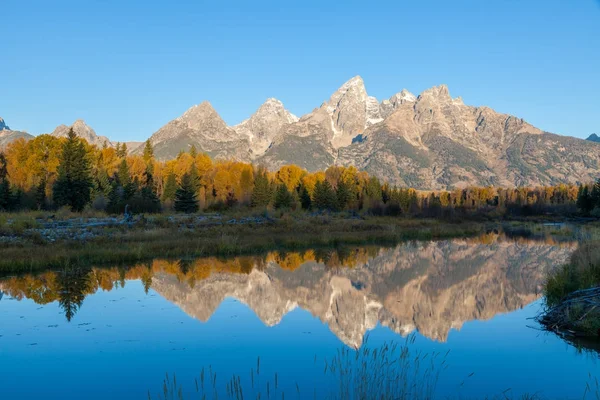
point(170, 188)
point(261, 195)
point(148, 152)
point(123, 173)
point(5, 195)
point(324, 197)
point(186, 197)
point(74, 183)
point(40, 194)
point(343, 194)
point(305, 199)
point(283, 197)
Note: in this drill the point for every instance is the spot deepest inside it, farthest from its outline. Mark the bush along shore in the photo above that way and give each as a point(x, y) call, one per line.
point(573, 296)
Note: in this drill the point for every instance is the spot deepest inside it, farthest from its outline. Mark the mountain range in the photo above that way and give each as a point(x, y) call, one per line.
point(429, 141)
point(429, 287)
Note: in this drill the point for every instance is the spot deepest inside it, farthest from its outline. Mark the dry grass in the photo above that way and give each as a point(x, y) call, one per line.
point(582, 272)
point(162, 238)
point(572, 293)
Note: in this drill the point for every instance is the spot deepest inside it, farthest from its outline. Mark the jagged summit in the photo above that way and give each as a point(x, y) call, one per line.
point(405, 288)
point(387, 107)
point(198, 111)
point(202, 127)
point(347, 108)
point(440, 92)
point(84, 131)
point(262, 127)
point(430, 141)
point(3, 126)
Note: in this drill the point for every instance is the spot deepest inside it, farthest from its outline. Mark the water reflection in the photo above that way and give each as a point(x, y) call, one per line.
point(431, 287)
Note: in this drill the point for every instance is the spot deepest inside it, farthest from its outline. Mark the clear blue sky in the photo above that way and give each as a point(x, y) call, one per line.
point(128, 67)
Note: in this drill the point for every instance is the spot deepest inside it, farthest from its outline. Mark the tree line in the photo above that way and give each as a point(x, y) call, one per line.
point(48, 173)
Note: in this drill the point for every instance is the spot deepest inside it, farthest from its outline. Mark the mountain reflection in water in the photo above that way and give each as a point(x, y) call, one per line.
point(431, 287)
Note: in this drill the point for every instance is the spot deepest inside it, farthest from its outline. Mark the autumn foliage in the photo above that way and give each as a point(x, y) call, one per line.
point(30, 173)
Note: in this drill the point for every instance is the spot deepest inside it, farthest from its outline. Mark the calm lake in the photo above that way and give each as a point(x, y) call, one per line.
point(114, 333)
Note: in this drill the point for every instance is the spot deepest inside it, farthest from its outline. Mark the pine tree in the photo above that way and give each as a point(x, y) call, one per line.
point(130, 190)
point(170, 188)
point(186, 197)
point(123, 173)
point(195, 178)
point(114, 198)
point(73, 283)
point(324, 197)
point(193, 151)
point(373, 189)
point(74, 183)
point(145, 200)
point(40, 194)
point(5, 195)
point(283, 198)
point(343, 194)
point(148, 152)
point(102, 186)
point(305, 199)
point(584, 199)
point(261, 195)
point(595, 194)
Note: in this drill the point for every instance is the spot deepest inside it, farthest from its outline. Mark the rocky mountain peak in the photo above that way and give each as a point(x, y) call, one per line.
point(347, 108)
point(275, 107)
point(199, 112)
point(387, 107)
point(82, 130)
point(3, 126)
point(202, 127)
point(203, 117)
point(403, 97)
point(350, 92)
point(439, 93)
point(262, 127)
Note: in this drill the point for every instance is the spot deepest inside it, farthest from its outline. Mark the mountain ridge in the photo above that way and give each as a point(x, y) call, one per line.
point(8, 136)
point(84, 131)
point(432, 288)
point(429, 141)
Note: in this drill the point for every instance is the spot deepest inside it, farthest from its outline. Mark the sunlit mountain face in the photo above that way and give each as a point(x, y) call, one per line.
point(429, 287)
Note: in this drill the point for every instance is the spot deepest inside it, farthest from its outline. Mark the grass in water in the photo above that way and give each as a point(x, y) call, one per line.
point(391, 371)
point(573, 295)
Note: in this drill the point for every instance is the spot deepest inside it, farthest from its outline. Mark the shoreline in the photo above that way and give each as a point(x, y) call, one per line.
point(42, 245)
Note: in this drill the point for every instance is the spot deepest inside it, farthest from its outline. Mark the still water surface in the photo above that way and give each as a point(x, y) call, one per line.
point(114, 333)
